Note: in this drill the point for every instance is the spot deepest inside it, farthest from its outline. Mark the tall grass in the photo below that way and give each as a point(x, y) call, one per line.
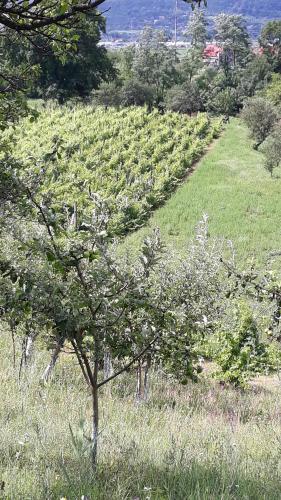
point(201, 441)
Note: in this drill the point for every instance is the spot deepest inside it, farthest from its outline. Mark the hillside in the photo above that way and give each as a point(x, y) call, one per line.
point(126, 15)
point(137, 166)
point(232, 187)
point(134, 167)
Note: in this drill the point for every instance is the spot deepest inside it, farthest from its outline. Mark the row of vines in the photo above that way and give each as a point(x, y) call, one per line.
point(131, 158)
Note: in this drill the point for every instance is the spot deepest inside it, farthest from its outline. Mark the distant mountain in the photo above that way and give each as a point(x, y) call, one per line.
point(132, 15)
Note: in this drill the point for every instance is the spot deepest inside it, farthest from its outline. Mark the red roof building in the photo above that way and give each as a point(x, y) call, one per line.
point(258, 51)
point(212, 54)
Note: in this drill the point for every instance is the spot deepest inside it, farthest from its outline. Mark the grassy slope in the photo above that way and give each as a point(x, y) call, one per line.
point(232, 187)
point(195, 442)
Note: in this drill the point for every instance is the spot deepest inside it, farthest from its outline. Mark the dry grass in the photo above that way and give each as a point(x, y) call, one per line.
point(197, 442)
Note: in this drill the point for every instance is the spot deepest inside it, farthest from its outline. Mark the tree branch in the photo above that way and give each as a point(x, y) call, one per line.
point(126, 368)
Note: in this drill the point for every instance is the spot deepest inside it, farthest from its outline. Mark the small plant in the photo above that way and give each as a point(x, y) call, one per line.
point(239, 351)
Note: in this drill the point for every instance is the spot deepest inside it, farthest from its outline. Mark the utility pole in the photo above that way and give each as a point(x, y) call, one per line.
point(176, 23)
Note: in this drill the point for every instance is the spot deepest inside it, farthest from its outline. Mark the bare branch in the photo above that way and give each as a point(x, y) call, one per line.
point(126, 368)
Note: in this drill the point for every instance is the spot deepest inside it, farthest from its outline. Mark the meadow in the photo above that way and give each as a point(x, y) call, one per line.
point(200, 441)
point(231, 185)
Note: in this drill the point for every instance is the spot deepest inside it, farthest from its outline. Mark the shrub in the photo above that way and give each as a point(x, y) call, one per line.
point(272, 150)
point(224, 102)
point(273, 90)
point(184, 98)
point(107, 95)
point(260, 116)
point(238, 349)
point(134, 93)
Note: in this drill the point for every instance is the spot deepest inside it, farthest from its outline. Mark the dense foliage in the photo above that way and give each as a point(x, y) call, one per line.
point(157, 75)
point(134, 167)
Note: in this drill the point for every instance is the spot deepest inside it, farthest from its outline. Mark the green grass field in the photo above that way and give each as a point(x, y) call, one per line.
point(199, 441)
point(230, 185)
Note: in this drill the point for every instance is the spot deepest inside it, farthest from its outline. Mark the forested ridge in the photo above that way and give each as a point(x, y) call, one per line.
point(135, 15)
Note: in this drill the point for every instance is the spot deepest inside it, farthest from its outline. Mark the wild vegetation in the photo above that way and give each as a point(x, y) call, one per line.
point(129, 340)
point(201, 438)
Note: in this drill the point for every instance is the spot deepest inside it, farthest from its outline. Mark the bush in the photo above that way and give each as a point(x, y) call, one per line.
point(273, 90)
point(260, 116)
point(184, 98)
point(107, 95)
point(239, 351)
point(272, 150)
point(224, 102)
point(134, 93)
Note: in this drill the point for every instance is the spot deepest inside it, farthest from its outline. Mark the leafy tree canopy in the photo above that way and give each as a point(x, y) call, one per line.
point(197, 28)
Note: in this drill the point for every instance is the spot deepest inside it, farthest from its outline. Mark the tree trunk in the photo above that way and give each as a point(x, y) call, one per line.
point(95, 399)
point(13, 345)
point(29, 347)
point(95, 430)
point(139, 383)
point(107, 364)
point(146, 379)
point(49, 369)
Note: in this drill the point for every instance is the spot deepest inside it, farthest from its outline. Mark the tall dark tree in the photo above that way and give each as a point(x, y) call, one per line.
point(233, 37)
point(270, 40)
point(197, 29)
point(81, 70)
point(154, 63)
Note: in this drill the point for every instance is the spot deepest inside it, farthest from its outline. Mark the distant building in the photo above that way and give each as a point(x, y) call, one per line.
point(212, 54)
point(258, 51)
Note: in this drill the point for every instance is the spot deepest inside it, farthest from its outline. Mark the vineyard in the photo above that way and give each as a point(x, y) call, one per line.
point(131, 158)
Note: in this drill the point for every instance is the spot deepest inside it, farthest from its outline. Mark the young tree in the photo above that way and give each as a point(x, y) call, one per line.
point(260, 117)
point(64, 274)
point(272, 150)
point(60, 269)
point(239, 351)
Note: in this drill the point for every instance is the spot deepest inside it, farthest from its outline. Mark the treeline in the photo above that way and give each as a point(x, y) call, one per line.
point(152, 73)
